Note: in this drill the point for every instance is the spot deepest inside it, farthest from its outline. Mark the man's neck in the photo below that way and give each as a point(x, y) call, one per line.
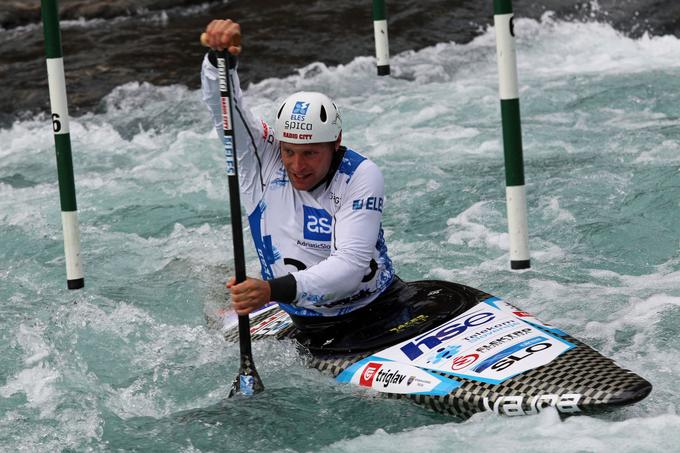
point(335, 164)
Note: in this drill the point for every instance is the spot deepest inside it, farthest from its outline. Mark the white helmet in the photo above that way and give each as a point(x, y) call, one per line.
point(308, 117)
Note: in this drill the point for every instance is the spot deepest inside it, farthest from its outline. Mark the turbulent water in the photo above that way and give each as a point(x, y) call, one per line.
point(129, 363)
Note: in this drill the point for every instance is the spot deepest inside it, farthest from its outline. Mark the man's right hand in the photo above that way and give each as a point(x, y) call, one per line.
point(223, 34)
point(249, 295)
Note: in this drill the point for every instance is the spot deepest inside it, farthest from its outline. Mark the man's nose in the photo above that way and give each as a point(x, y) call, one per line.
point(296, 162)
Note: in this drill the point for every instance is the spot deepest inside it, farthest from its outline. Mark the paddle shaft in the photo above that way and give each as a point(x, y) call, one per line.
point(224, 60)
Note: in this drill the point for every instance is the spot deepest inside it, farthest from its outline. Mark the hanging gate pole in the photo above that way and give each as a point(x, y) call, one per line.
point(512, 135)
point(62, 143)
point(382, 48)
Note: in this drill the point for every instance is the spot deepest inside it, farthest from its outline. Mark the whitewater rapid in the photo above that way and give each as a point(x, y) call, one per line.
point(130, 362)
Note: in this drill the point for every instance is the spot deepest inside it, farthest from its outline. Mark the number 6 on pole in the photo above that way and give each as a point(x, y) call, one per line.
point(62, 143)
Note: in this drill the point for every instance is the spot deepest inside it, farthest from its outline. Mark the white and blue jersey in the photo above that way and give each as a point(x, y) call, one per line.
point(330, 239)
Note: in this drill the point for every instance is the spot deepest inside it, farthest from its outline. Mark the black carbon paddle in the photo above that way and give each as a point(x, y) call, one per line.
point(247, 381)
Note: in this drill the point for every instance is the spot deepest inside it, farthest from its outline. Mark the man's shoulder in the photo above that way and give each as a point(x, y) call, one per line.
point(354, 163)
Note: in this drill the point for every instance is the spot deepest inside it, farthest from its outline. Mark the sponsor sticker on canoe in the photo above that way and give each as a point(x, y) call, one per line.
point(368, 374)
point(512, 405)
point(527, 317)
point(393, 377)
point(230, 318)
point(491, 342)
point(272, 325)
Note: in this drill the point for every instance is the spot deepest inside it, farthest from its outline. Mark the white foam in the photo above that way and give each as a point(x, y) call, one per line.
point(545, 432)
point(151, 353)
point(553, 211)
point(666, 152)
point(37, 382)
point(565, 48)
point(436, 125)
point(469, 228)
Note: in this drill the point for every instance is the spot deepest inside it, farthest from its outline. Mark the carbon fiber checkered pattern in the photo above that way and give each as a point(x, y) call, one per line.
point(598, 380)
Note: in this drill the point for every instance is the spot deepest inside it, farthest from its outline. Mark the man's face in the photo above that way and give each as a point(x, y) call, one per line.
point(307, 164)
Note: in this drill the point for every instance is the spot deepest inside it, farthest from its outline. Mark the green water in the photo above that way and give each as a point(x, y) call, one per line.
point(129, 363)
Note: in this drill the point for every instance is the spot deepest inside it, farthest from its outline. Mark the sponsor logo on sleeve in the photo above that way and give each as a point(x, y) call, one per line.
point(370, 204)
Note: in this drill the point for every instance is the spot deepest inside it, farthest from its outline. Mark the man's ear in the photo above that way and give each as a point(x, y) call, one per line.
point(338, 140)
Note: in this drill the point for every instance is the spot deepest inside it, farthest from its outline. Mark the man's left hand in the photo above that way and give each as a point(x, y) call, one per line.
point(249, 295)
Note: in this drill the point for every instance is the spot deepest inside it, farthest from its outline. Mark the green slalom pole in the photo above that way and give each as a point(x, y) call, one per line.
point(512, 135)
point(62, 142)
point(382, 48)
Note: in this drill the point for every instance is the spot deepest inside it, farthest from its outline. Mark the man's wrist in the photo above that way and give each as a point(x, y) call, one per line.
point(283, 289)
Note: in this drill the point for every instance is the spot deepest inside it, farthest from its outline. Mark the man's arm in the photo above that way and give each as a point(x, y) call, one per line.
point(256, 147)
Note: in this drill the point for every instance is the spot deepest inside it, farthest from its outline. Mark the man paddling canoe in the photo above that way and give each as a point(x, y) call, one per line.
point(314, 207)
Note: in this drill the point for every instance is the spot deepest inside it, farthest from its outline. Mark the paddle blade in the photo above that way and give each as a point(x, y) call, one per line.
point(247, 381)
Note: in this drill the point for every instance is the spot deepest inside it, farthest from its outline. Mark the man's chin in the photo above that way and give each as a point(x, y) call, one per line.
point(305, 184)
point(301, 186)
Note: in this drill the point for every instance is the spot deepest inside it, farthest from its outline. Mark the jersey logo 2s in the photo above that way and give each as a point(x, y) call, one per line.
point(317, 224)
